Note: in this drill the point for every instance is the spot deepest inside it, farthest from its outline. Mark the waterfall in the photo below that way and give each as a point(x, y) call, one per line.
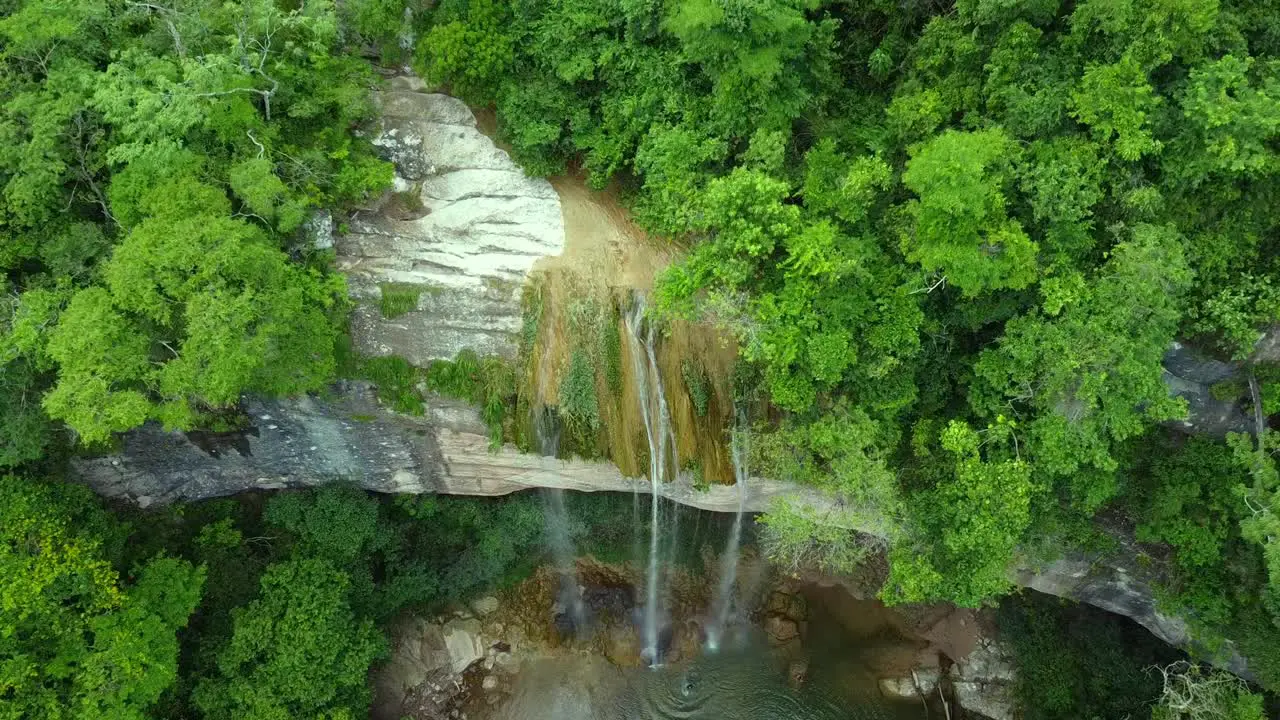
point(557, 519)
point(729, 560)
point(662, 451)
point(546, 431)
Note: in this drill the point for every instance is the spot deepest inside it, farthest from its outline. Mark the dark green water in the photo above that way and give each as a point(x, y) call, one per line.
point(741, 685)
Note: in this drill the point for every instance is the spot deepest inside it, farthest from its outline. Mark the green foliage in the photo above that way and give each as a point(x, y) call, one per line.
point(75, 642)
point(839, 452)
point(398, 299)
point(336, 524)
point(296, 651)
point(1116, 101)
point(488, 382)
point(1078, 662)
point(1237, 311)
point(155, 162)
point(1191, 501)
point(476, 544)
point(579, 406)
point(1084, 376)
point(396, 382)
point(472, 51)
point(970, 525)
point(799, 537)
point(611, 354)
point(961, 226)
point(697, 385)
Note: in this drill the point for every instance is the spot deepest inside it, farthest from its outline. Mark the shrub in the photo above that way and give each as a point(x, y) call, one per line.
point(578, 405)
point(696, 383)
point(396, 381)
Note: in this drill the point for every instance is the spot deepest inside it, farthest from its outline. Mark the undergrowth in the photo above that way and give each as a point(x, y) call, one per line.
point(578, 403)
point(488, 382)
point(398, 299)
point(696, 383)
point(396, 381)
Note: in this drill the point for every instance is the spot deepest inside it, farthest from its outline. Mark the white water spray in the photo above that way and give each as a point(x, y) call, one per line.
point(729, 560)
point(555, 516)
point(557, 520)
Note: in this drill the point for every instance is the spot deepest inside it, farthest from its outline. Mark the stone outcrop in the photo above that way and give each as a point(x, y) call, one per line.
point(1191, 375)
point(347, 436)
point(983, 681)
point(462, 230)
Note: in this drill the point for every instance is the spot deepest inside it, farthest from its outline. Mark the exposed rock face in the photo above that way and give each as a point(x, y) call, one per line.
point(463, 229)
point(1118, 584)
point(1191, 375)
point(983, 681)
point(310, 441)
point(347, 436)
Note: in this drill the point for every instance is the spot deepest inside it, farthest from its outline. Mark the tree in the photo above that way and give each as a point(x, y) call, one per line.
point(970, 526)
point(232, 315)
point(1116, 102)
point(961, 226)
point(756, 55)
point(1084, 373)
point(297, 651)
point(155, 159)
point(1231, 113)
point(76, 642)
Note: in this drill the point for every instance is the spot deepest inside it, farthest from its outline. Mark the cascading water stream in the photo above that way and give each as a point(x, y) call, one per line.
point(729, 560)
point(661, 440)
point(546, 432)
point(557, 519)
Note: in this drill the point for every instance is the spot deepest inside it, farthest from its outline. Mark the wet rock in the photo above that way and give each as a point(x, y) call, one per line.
point(622, 645)
point(485, 606)
point(787, 604)
point(490, 682)
point(781, 630)
point(797, 673)
point(463, 643)
point(920, 683)
point(983, 681)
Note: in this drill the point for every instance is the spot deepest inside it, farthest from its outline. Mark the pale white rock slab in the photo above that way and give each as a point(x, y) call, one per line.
point(464, 225)
point(463, 641)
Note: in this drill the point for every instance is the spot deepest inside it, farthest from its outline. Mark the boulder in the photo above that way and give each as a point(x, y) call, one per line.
point(463, 642)
point(781, 630)
point(485, 606)
point(983, 681)
point(920, 682)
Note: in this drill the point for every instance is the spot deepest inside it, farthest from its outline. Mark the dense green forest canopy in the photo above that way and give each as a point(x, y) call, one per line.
point(954, 241)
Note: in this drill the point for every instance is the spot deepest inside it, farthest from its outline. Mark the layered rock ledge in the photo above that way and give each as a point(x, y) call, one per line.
point(460, 234)
point(348, 437)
